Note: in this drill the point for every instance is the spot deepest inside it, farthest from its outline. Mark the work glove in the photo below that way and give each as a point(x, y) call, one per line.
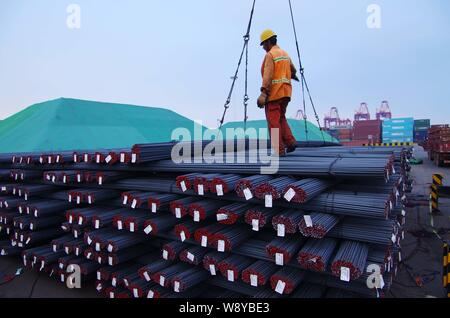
point(262, 100)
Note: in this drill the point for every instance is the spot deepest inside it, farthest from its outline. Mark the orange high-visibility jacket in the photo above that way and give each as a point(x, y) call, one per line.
point(276, 71)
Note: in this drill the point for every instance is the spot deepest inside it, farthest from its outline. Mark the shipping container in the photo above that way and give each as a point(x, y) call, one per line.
point(367, 130)
point(421, 124)
point(420, 136)
point(439, 144)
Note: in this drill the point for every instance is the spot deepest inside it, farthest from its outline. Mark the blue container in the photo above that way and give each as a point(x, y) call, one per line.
point(420, 135)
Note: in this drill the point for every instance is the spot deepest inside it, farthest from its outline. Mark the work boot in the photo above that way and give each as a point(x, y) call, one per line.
point(291, 148)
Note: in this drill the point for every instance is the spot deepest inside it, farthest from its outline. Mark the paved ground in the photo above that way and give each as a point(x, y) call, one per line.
point(422, 252)
point(422, 249)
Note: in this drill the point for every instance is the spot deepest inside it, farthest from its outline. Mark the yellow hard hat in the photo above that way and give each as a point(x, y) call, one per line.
point(267, 34)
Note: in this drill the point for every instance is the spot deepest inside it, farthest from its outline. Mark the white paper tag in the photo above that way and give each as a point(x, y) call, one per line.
point(393, 238)
point(248, 194)
point(212, 269)
point(190, 256)
point(119, 225)
point(254, 280)
point(135, 293)
point(89, 240)
point(281, 230)
point(99, 259)
point(165, 254)
point(110, 261)
point(221, 217)
point(122, 157)
point(221, 246)
point(280, 287)
point(66, 249)
point(125, 199)
point(78, 199)
point(255, 224)
point(70, 198)
point(80, 220)
point(97, 247)
point(131, 226)
point(65, 179)
point(230, 275)
point(345, 274)
point(133, 204)
point(204, 241)
point(268, 201)
point(148, 229)
point(200, 189)
point(100, 180)
point(182, 236)
point(178, 213)
point(196, 216)
point(176, 286)
point(88, 256)
point(289, 195)
point(153, 207)
point(79, 177)
point(403, 212)
point(150, 294)
point(162, 280)
point(183, 186)
point(308, 220)
point(147, 277)
point(86, 157)
point(97, 224)
point(114, 282)
point(133, 158)
point(279, 259)
point(219, 189)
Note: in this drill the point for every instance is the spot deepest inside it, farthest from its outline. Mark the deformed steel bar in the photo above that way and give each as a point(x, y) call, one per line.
point(316, 254)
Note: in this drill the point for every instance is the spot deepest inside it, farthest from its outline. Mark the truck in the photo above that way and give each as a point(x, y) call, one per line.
point(438, 145)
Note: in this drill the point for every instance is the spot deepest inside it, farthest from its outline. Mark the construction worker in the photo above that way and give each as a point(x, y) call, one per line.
point(276, 90)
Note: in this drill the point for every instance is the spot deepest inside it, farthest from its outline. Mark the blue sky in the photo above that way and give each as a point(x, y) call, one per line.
point(181, 54)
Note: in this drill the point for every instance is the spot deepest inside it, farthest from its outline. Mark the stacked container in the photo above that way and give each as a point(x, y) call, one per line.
point(421, 127)
point(367, 131)
point(398, 130)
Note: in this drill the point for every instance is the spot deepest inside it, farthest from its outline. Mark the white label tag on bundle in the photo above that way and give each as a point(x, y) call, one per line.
point(399, 256)
point(308, 220)
point(66, 249)
point(70, 198)
point(79, 177)
point(182, 236)
point(97, 247)
point(200, 189)
point(99, 259)
point(212, 269)
point(230, 275)
point(148, 229)
point(403, 212)
point(190, 256)
point(289, 195)
point(393, 238)
point(125, 199)
point(78, 199)
point(248, 194)
point(62, 278)
point(147, 277)
point(390, 204)
point(281, 230)
point(3, 188)
point(133, 158)
point(176, 287)
point(178, 213)
point(403, 235)
point(314, 260)
point(122, 157)
point(222, 217)
point(70, 219)
point(55, 248)
point(114, 282)
point(279, 259)
point(80, 220)
point(99, 276)
point(221, 245)
point(183, 186)
point(153, 207)
point(53, 179)
point(20, 192)
point(89, 240)
point(162, 280)
point(97, 224)
point(88, 256)
point(280, 287)
point(150, 294)
point(133, 204)
point(110, 261)
point(135, 293)
point(255, 224)
point(132, 227)
point(204, 242)
point(254, 280)
point(119, 224)
point(100, 180)
point(20, 209)
point(86, 157)
point(219, 189)
point(65, 179)
point(345, 274)
point(165, 254)
point(196, 216)
point(268, 201)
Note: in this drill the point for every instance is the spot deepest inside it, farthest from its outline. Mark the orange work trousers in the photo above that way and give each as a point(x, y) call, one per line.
point(276, 119)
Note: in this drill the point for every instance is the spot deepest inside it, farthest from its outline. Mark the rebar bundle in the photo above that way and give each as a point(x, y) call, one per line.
point(232, 266)
point(258, 217)
point(272, 189)
point(223, 184)
point(287, 222)
point(246, 186)
point(317, 225)
point(316, 254)
point(282, 250)
point(306, 189)
point(204, 209)
point(231, 213)
point(350, 260)
point(229, 238)
point(258, 273)
point(286, 280)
